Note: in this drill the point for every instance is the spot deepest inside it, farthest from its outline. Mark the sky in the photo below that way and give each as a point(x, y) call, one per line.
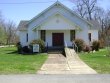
point(17, 12)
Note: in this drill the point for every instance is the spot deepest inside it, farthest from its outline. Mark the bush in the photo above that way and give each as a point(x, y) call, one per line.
point(25, 49)
point(102, 43)
point(108, 53)
point(19, 47)
point(80, 44)
point(41, 44)
point(95, 45)
point(87, 48)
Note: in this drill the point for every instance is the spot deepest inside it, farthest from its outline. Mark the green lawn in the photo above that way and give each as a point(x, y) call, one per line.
point(13, 63)
point(97, 61)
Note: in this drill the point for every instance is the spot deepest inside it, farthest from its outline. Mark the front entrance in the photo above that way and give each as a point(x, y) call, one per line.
point(58, 39)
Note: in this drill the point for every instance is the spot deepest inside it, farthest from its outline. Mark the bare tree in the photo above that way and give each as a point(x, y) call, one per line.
point(85, 7)
point(81, 9)
point(2, 31)
point(108, 40)
point(99, 15)
point(7, 31)
point(10, 32)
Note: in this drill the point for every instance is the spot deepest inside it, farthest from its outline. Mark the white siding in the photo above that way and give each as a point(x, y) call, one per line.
point(33, 35)
point(57, 22)
point(94, 34)
point(54, 10)
point(22, 36)
point(83, 34)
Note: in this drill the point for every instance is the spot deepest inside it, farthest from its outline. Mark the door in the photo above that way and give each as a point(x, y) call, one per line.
point(58, 39)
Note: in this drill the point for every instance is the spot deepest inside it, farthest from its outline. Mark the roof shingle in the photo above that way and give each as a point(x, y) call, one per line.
point(23, 25)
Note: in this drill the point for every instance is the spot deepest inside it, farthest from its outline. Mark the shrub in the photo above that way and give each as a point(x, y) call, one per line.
point(87, 48)
point(19, 47)
point(25, 49)
point(41, 44)
point(102, 43)
point(95, 45)
point(108, 53)
point(80, 44)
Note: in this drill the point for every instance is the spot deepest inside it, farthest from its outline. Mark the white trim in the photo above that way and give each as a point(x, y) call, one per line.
point(56, 3)
point(49, 17)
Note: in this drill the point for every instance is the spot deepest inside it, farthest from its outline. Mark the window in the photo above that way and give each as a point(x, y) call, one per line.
point(89, 36)
point(27, 37)
point(72, 35)
point(43, 35)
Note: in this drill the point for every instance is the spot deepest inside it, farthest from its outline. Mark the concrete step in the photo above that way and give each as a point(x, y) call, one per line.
point(55, 52)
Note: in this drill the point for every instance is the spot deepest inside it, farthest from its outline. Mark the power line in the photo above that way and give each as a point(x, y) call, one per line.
point(29, 2)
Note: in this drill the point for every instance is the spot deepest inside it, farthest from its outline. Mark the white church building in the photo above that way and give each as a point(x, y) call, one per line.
point(55, 25)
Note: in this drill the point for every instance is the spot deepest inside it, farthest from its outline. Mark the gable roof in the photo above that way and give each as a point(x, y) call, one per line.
point(96, 25)
point(58, 3)
point(57, 13)
point(23, 25)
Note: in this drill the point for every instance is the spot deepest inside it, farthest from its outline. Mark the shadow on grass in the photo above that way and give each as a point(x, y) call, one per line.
point(16, 53)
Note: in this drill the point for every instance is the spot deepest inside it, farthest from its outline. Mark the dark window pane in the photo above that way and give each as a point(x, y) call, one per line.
point(72, 35)
point(89, 36)
point(43, 35)
point(27, 37)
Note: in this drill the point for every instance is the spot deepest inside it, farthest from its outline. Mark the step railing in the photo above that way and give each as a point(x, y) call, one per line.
point(75, 47)
point(66, 46)
point(46, 46)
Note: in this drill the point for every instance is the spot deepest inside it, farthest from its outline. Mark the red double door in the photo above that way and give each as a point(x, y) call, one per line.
point(58, 39)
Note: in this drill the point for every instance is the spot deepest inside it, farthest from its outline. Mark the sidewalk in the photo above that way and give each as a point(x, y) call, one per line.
point(76, 65)
point(55, 64)
point(7, 46)
point(71, 64)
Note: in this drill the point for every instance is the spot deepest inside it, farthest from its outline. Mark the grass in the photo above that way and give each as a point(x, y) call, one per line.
point(98, 61)
point(13, 63)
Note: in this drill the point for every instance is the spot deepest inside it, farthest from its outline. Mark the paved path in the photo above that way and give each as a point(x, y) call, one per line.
point(6, 46)
point(55, 64)
point(76, 65)
point(55, 78)
point(58, 64)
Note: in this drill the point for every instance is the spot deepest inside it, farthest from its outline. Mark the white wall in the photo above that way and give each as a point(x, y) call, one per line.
point(57, 22)
point(94, 34)
point(83, 34)
point(66, 36)
point(22, 36)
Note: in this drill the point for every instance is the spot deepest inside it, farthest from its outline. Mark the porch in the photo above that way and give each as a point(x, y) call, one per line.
point(56, 38)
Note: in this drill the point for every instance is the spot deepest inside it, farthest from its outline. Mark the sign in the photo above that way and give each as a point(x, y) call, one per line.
point(35, 47)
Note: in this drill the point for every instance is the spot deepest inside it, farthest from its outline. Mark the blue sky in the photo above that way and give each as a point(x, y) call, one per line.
point(17, 12)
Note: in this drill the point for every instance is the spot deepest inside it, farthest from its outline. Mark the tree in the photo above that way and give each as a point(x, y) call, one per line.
point(10, 32)
point(2, 31)
point(7, 31)
point(85, 7)
point(99, 15)
point(81, 9)
point(108, 40)
point(2, 36)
